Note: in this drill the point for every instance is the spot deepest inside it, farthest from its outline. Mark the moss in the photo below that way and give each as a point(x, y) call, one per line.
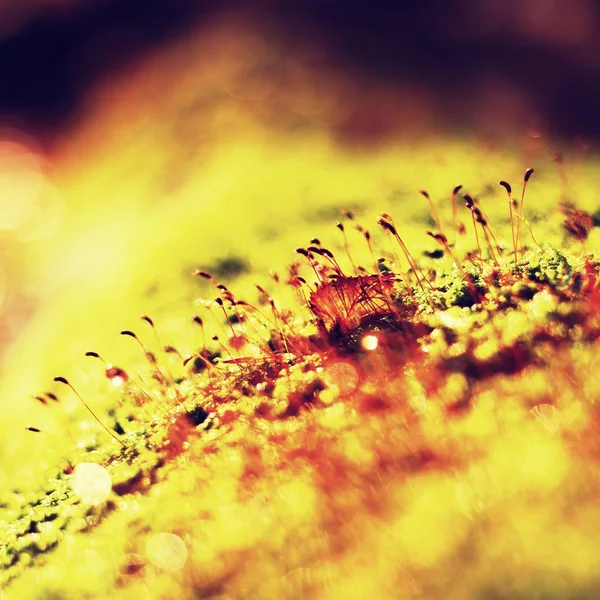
point(487, 328)
point(549, 266)
point(459, 444)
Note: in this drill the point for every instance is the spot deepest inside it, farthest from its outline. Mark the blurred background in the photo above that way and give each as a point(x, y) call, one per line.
point(491, 65)
point(142, 139)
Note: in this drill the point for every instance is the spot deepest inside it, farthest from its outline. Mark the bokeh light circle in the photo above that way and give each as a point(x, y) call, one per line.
point(92, 483)
point(21, 182)
point(344, 375)
point(166, 551)
point(369, 342)
point(548, 416)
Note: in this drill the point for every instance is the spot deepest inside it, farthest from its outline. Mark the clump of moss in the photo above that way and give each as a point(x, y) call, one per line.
point(365, 386)
point(549, 266)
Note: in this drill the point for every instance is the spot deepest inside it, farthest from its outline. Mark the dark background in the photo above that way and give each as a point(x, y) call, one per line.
point(537, 60)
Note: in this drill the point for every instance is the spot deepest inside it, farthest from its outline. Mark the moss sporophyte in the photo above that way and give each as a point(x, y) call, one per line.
point(395, 355)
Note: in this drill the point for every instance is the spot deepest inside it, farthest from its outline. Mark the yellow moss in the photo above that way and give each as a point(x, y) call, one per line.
point(528, 460)
point(431, 523)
